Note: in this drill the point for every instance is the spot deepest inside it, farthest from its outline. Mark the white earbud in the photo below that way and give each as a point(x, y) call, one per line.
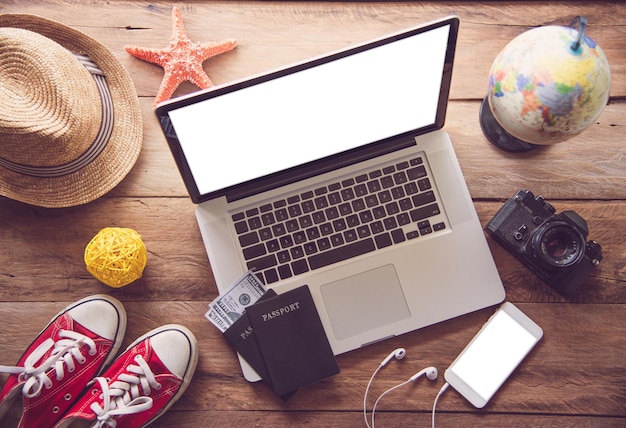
point(430, 372)
point(398, 354)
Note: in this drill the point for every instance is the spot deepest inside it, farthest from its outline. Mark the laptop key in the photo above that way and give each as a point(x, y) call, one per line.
point(294, 211)
point(284, 271)
point(337, 240)
point(272, 245)
point(417, 172)
point(297, 252)
point(423, 198)
point(424, 184)
point(308, 206)
point(334, 198)
point(241, 227)
point(360, 190)
point(310, 248)
point(248, 239)
point(424, 212)
point(265, 234)
point(299, 266)
point(299, 237)
point(402, 165)
point(326, 229)
point(254, 251)
point(318, 217)
point(281, 214)
point(323, 244)
point(403, 219)
point(334, 186)
point(377, 227)
point(361, 178)
point(262, 263)
point(383, 240)
point(255, 223)
point(332, 213)
point(400, 178)
point(363, 231)
point(398, 236)
point(339, 254)
point(321, 191)
point(350, 235)
point(283, 256)
point(270, 276)
point(313, 233)
point(292, 225)
point(279, 229)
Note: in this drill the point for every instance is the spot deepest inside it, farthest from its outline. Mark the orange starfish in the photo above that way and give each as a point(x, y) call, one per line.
point(182, 59)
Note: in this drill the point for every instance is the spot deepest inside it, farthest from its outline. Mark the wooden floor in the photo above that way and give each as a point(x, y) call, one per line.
point(575, 377)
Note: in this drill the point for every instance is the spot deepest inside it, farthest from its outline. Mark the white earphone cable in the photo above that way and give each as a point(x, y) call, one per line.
point(365, 396)
point(385, 393)
point(439, 394)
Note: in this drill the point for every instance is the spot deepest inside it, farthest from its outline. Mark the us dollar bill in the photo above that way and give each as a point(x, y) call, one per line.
point(230, 306)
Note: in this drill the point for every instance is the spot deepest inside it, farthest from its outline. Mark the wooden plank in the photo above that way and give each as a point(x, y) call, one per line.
point(265, 42)
point(42, 268)
point(244, 418)
point(573, 371)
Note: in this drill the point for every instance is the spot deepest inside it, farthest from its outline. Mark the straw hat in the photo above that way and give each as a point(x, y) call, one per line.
point(70, 121)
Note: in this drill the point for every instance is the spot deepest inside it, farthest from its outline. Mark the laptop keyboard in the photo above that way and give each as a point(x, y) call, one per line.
point(345, 219)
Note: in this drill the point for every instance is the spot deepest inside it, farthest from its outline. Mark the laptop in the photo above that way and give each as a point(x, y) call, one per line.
point(335, 172)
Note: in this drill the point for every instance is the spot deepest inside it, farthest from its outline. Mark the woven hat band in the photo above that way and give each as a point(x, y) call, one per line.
point(92, 152)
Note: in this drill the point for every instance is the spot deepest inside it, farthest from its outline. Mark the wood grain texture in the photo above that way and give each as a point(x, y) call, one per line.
point(576, 377)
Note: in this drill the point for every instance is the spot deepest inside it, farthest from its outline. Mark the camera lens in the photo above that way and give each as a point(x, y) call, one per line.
point(558, 244)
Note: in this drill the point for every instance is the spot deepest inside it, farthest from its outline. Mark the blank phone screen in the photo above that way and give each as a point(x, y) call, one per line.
point(493, 355)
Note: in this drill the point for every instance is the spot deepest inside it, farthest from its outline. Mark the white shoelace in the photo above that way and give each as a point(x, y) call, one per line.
point(66, 350)
point(124, 396)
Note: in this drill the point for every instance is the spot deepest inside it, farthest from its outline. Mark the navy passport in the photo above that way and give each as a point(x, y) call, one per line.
point(291, 341)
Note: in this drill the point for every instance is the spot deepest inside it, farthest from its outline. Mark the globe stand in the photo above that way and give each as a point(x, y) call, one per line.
point(498, 136)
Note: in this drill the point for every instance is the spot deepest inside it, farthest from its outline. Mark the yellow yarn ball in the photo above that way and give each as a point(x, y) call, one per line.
point(116, 256)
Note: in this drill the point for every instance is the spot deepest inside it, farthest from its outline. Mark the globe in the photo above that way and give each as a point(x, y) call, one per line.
point(546, 86)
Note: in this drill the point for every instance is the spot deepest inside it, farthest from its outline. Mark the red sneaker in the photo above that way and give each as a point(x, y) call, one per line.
point(72, 349)
point(141, 384)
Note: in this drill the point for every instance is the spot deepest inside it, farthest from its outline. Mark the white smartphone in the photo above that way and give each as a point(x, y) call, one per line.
point(492, 355)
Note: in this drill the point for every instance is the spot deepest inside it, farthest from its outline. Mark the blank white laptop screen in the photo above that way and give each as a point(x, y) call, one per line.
point(313, 113)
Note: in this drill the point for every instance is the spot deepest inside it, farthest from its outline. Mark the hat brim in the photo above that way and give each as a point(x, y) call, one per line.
point(121, 152)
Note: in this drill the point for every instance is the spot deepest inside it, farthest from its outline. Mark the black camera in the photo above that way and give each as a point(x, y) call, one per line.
point(552, 245)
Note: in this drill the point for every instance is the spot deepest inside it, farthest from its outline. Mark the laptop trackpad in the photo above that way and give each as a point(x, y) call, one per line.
point(365, 301)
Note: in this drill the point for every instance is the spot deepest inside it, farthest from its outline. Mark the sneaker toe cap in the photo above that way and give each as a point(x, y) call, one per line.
point(174, 347)
point(99, 315)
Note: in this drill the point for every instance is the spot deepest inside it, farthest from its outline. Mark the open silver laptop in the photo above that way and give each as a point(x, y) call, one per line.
point(335, 173)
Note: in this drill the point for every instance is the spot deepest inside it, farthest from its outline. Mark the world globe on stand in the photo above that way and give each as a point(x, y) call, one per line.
point(546, 86)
